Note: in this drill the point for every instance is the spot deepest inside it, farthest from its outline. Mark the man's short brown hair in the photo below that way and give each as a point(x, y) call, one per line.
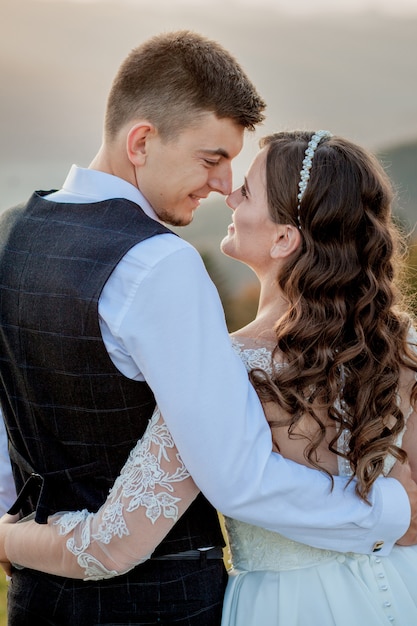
point(173, 78)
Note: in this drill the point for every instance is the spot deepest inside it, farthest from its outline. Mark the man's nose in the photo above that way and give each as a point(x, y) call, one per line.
point(221, 180)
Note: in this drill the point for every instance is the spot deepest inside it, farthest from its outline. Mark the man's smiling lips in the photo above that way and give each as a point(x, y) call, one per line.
point(196, 199)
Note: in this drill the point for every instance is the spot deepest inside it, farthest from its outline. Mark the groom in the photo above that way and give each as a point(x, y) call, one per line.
point(104, 310)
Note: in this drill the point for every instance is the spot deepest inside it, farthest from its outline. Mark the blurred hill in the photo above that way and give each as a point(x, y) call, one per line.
point(401, 164)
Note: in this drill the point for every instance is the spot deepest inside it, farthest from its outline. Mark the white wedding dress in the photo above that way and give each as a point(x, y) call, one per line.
point(278, 582)
point(274, 581)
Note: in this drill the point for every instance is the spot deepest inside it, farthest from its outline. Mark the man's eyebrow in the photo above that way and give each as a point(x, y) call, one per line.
point(217, 152)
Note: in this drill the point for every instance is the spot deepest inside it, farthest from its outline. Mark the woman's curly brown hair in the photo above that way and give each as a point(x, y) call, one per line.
point(343, 336)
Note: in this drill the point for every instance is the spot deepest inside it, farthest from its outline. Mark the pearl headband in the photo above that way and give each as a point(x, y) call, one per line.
point(307, 163)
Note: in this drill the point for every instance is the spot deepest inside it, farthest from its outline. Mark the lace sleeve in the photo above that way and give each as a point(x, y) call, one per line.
point(153, 489)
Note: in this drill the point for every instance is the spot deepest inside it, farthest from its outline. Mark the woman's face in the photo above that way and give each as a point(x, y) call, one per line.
point(252, 233)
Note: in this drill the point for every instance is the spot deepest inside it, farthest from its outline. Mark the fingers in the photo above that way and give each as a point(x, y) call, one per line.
point(402, 473)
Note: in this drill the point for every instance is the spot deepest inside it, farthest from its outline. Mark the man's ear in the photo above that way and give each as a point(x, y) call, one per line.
point(137, 142)
point(286, 241)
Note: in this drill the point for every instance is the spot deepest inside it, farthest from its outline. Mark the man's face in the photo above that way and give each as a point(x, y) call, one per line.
point(179, 172)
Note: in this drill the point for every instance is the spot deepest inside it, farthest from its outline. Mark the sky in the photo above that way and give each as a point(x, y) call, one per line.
point(351, 72)
point(294, 7)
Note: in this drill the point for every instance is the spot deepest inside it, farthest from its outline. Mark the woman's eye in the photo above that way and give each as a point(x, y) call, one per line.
point(244, 191)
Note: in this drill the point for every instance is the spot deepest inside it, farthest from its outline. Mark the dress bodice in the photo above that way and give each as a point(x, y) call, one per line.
point(254, 548)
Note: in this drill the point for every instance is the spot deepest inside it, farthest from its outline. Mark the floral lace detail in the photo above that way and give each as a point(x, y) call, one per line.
point(343, 447)
point(254, 358)
point(253, 548)
point(141, 483)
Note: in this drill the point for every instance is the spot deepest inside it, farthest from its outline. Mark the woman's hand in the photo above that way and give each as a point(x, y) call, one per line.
point(5, 522)
point(402, 473)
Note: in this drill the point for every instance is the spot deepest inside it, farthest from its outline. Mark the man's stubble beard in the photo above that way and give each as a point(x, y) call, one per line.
point(167, 217)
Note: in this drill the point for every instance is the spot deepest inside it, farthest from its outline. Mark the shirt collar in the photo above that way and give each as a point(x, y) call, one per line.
point(88, 185)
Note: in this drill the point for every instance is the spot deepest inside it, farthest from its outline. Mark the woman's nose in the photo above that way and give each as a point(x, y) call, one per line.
point(231, 200)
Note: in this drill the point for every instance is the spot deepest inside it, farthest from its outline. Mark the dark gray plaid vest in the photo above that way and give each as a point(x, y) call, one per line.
point(71, 416)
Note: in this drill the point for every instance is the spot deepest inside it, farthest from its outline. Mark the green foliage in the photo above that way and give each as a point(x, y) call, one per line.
point(411, 277)
point(3, 594)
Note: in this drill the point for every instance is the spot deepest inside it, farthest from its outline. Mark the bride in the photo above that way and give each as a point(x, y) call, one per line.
point(333, 359)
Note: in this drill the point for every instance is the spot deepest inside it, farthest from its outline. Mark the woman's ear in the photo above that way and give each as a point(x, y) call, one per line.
point(287, 240)
point(137, 142)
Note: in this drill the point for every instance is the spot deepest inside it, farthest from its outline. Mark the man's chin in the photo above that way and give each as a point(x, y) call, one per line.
point(178, 221)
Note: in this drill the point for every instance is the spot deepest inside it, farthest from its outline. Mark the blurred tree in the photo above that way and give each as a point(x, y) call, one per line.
point(411, 276)
point(239, 309)
point(243, 306)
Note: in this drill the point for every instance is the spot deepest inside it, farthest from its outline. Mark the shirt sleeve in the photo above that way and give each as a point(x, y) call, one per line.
point(174, 331)
point(153, 489)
